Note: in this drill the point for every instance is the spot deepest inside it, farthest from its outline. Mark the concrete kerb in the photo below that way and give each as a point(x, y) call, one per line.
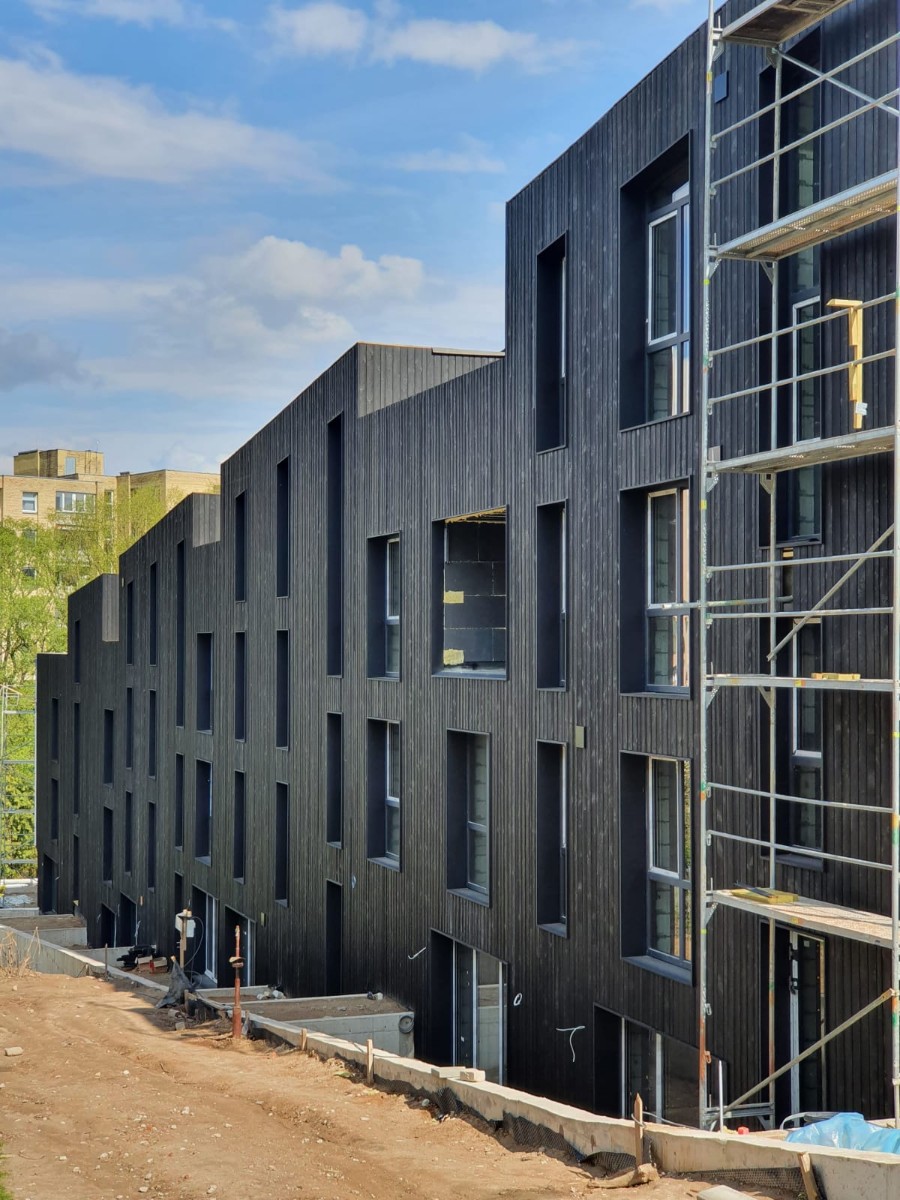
point(50, 959)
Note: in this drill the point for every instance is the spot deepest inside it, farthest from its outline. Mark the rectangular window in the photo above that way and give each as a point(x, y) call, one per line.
point(550, 347)
point(71, 467)
point(76, 758)
point(54, 809)
point(153, 640)
point(129, 833)
point(75, 502)
point(76, 869)
point(334, 784)
point(107, 844)
point(151, 734)
point(668, 301)
point(240, 546)
point(636, 1061)
point(151, 846)
point(384, 792)
point(240, 687)
point(799, 767)
point(283, 528)
point(468, 814)
point(282, 689)
point(54, 728)
point(240, 826)
point(384, 607)
point(29, 502)
point(129, 622)
point(180, 633)
point(667, 580)
point(76, 652)
point(203, 802)
point(470, 593)
point(178, 811)
point(204, 682)
point(551, 583)
point(552, 837)
point(669, 924)
point(129, 728)
point(109, 745)
point(282, 839)
point(334, 558)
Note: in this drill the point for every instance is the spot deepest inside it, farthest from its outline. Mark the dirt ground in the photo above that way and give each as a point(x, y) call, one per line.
point(109, 1100)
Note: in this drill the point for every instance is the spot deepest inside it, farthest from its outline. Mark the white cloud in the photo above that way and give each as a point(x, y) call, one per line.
point(328, 28)
point(34, 357)
point(319, 29)
point(138, 12)
point(472, 158)
point(94, 125)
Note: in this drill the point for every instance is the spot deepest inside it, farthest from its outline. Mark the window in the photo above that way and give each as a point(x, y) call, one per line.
point(384, 607)
point(667, 574)
point(282, 839)
point(129, 622)
point(668, 300)
point(468, 814)
point(109, 745)
point(240, 546)
point(54, 728)
point(799, 759)
point(552, 837)
point(107, 865)
point(203, 802)
point(204, 682)
point(76, 869)
point(282, 689)
point(334, 556)
point(384, 792)
point(129, 833)
point(551, 596)
point(151, 734)
point(54, 809)
point(635, 1060)
point(76, 758)
point(655, 861)
point(71, 467)
point(151, 845)
point(239, 826)
point(283, 528)
point(75, 502)
point(470, 592)
point(334, 819)
point(550, 347)
point(178, 809)
point(29, 502)
point(129, 728)
point(180, 632)
point(240, 686)
point(153, 646)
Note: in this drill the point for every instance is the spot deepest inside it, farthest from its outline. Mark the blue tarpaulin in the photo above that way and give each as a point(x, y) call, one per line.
point(848, 1131)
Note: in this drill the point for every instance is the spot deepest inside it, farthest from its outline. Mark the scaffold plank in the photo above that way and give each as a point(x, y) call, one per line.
point(814, 915)
point(774, 21)
point(798, 681)
point(808, 454)
point(848, 210)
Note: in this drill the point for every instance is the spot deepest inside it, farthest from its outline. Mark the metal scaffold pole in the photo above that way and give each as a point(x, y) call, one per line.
point(895, 686)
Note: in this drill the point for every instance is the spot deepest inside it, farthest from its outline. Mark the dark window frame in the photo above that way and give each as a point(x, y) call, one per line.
point(203, 811)
point(464, 831)
point(552, 837)
point(551, 346)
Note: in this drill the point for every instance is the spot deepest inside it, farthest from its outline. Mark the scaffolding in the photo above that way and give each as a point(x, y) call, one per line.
point(17, 778)
point(750, 594)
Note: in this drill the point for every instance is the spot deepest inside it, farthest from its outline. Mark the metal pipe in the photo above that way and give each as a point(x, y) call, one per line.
point(746, 791)
point(807, 614)
point(787, 330)
point(802, 851)
point(813, 560)
point(895, 696)
point(820, 373)
point(844, 87)
point(838, 1029)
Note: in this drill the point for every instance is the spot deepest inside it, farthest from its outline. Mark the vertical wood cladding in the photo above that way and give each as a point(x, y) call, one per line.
point(394, 440)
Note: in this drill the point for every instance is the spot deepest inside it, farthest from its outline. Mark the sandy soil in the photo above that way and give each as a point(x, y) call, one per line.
point(109, 1100)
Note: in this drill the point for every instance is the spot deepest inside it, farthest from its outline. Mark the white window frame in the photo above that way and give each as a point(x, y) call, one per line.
point(391, 605)
point(678, 209)
point(678, 609)
point(478, 828)
point(30, 503)
point(391, 785)
point(680, 879)
point(75, 502)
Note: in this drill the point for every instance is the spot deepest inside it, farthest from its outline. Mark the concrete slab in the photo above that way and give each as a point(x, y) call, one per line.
point(721, 1192)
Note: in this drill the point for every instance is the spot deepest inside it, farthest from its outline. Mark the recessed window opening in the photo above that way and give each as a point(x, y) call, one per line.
point(153, 648)
point(282, 840)
point(282, 689)
point(384, 791)
point(239, 826)
point(76, 652)
point(550, 347)
point(468, 813)
point(180, 633)
point(107, 864)
point(668, 565)
point(76, 758)
point(54, 809)
point(151, 845)
point(473, 624)
point(240, 686)
point(203, 802)
point(129, 727)
point(151, 734)
point(29, 502)
point(392, 607)
point(129, 833)
point(384, 607)
point(204, 682)
point(54, 728)
point(551, 570)
point(129, 622)
point(799, 768)
point(669, 925)
point(283, 528)
point(334, 555)
point(334, 779)
point(240, 546)
point(178, 808)
point(668, 301)
point(109, 745)
point(552, 836)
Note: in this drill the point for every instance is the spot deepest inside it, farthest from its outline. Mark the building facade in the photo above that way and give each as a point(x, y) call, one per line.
point(420, 701)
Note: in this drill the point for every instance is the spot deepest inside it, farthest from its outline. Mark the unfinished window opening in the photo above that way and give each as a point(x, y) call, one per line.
point(384, 792)
point(468, 814)
point(471, 614)
point(240, 687)
point(76, 652)
point(76, 869)
point(240, 546)
point(151, 734)
point(240, 827)
point(129, 833)
point(178, 807)
point(54, 809)
point(54, 729)
point(76, 758)
point(109, 745)
point(129, 727)
point(282, 689)
point(334, 819)
point(180, 633)
point(151, 845)
point(551, 585)
point(129, 622)
point(153, 639)
point(282, 842)
point(552, 837)
point(203, 802)
point(204, 682)
point(283, 528)
point(334, 554)
point(107, 865)
point(550, 347)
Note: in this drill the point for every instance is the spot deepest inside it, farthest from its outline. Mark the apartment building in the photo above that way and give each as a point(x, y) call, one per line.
point(556, 693)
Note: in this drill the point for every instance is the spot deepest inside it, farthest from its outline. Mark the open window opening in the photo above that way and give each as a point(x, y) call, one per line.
point(471, 617)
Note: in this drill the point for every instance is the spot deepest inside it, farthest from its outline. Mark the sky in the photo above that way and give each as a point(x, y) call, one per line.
point(203, 203)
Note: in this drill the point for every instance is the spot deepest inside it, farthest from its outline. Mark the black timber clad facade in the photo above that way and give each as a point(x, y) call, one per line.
point(419, 438)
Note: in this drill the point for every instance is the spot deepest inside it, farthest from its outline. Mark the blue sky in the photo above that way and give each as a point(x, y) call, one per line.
point(204, 202)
